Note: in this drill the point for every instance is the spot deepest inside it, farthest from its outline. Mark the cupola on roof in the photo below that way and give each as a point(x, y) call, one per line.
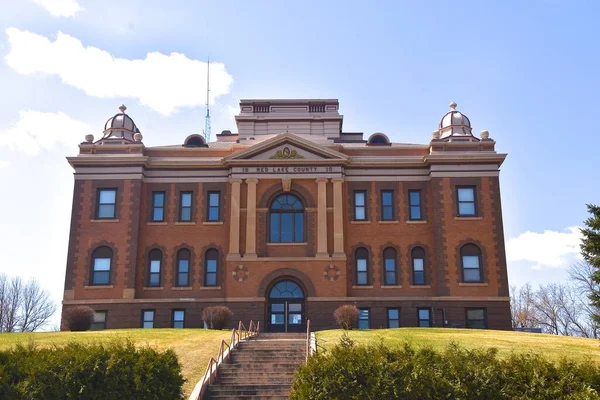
point(120, 126)
point(454, 123)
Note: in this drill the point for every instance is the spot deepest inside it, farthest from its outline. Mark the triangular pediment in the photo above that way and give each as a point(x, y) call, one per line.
point(286, 146)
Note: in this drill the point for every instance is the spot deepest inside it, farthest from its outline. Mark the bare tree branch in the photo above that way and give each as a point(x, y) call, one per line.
point(37, 307)
point(23, 307)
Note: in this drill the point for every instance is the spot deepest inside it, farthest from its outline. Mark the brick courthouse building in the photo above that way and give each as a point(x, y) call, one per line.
point(285, 221)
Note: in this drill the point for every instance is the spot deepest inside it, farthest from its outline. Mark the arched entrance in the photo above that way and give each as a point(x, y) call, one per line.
point(286, 307)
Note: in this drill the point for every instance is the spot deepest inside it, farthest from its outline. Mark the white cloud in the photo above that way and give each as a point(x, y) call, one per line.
point(60, 8)
point(4, 163)
point(162, 82)
point(36, 130)
point(547, 249)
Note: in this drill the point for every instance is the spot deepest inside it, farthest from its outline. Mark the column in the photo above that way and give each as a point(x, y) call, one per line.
point(338, 218)
point(234, 223)
point(322, 218)
point(251, 219)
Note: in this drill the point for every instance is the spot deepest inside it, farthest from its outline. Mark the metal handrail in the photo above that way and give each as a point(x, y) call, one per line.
point(307, 339)
point(223, 356)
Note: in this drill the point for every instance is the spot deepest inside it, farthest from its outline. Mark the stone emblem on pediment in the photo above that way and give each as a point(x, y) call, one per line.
point(286, 154)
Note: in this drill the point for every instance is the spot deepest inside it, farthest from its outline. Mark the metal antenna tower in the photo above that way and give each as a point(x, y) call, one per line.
point(207, 118)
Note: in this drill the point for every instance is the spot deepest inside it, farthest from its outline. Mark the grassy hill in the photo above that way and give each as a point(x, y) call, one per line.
point(195, 346)
point(552, 347)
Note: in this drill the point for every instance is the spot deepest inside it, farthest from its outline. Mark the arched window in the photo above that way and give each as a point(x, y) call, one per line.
point(211, 267)
point(361, 256)
point(286, 221)
point(154, 267)
point(418, 265)
point(471, 263)
point(183, 267)
point(389, 261)
point(286, 290)
point(101, 266)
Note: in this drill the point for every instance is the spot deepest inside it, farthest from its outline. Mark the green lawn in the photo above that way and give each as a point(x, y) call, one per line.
point(553, 347)
point(193, 346)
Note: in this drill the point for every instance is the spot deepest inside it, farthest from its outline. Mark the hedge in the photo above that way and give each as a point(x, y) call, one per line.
point(352, 371)
point(117, 370)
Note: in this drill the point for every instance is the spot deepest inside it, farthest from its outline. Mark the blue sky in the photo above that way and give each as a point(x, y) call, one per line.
point(525, 71)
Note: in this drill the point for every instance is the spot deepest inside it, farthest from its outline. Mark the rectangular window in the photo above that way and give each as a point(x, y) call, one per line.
point(360, 205)
point(387, 205)
point(414, 201)
point(418, 271)
point(213, 207)
point(107, 204)
point(154, 278)
point(211, 273)
point(99, 321)
point(393, 318)
point(390, 271)
point(101, 274)
point(158, 206)
point(424, 316)
point(361, 272)
point(466, 201)
point(363, 318)
point(471, 270)
point(185, 206)
point(147, 319)
point(178, 318)
point(183, 272)
point(476, 318)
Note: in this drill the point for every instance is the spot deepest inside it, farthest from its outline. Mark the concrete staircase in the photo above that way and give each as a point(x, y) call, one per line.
point(261, 368)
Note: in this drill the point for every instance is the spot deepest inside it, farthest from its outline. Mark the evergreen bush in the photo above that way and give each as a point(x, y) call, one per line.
point(352, 371)
point(100, 371)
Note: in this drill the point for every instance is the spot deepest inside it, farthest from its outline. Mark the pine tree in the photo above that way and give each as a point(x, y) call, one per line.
point(590, 250)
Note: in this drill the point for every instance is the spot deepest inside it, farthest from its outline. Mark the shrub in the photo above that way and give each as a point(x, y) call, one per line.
point(100, 371)
point(78, 318)
point(346, 316)
point(216, 317)
point(352, 371)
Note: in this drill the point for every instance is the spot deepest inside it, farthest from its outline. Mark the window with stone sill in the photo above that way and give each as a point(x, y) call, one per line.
point(101, 266)
point(414, 201)
point(106, 207)
point(466, 201)
point(471, 264)
point(158, 207)
point(286, 219)
point(211, 267)
point(387, 205)
point(418, 266)
point(390, 257)
point(185, 206)
point(360, 205)
point(362, 266)
point(213, 207)
point(154, 268)
point(183, 267)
